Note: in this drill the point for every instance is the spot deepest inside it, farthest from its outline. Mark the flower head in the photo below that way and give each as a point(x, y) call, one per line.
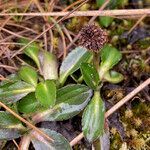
point(92, 37)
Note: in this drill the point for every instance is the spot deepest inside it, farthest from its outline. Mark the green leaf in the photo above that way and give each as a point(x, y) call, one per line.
point(10, 126)
point(71, 100)
point(46, 93)
point(100, 2)
point(32, 50)
point(60, 143)
point(28, 104)
point(110, 56)
point(111, 5)
point(72, 62)
point(28, 74)
point(49, 65)
point(93, 118)
point(7, 120)
point(12, 78)
point(10, 134)
point(16, 91)
point(90, 75)
point(105, 21)
point(113, 77)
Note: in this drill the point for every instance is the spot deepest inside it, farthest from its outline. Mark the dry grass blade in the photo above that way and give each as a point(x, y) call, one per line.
point(2, 78)
point(116, 107)
point(16, 144)
point(12, 35)
point(121, 12)
point(8, 67)
point(63, 18)
point(100, 9)
point(10, 32)
point(73, 4)
point(10, 23)
point(67, 34)
point(136, 24)
point(26, 122)
point(5, 22)
point(70, 6)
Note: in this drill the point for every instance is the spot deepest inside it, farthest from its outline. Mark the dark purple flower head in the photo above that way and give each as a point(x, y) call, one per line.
point(92, 37)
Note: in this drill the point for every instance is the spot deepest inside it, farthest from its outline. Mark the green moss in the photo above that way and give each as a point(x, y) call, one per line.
point(143, 43)
point(136, 131)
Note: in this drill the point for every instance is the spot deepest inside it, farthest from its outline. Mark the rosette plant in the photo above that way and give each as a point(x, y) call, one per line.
point(46, 93)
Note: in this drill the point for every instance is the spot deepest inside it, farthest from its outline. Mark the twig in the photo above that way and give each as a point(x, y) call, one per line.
point(37, 3)
point(71, 5)
point(100, 9)
point(12, 35)
point(51, 5)
point(26, 122)
point(45, 38)
point(10, 32)
point(64, 44)
point(2, 78)
point(116, 107)
point(8, 67)
point(51, 40)
point(121, 12)
point(5, 22)
point(62, 36)
point(67, 33)
point(147, 60)
point(135, 25)
point(12, 43)
point(20, 26)
point(16, 144)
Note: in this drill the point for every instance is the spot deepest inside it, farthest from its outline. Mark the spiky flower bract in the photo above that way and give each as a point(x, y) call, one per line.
point(92, 37)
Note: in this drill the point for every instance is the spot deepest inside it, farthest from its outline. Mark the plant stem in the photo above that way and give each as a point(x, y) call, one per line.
point(96, 60)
